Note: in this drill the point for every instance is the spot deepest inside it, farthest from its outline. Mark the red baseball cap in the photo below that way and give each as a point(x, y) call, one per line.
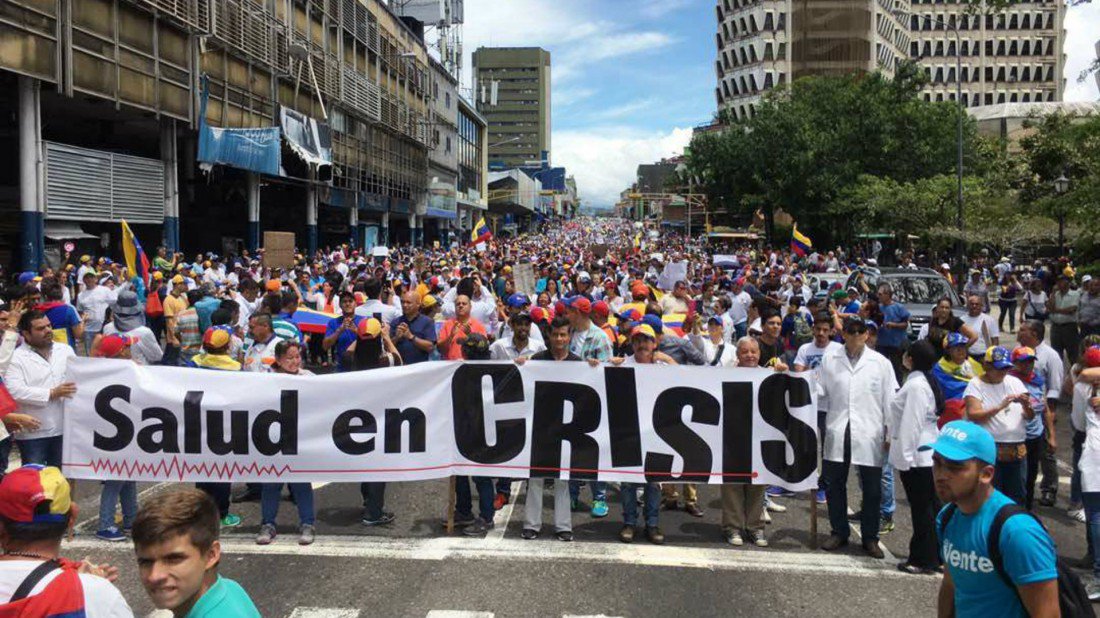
point(601, 308)
point(22, 490)
point(110, 346)
point(1092, 356)
point(538, 314)
point(581, 304)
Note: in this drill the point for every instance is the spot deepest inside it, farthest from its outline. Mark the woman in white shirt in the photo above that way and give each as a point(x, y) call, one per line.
point(1000, 403)
point(914, 412)
point(714, 346)
point(1086, 413)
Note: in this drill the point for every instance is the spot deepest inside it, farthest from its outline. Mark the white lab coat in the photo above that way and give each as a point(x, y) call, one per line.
point(912, 423)
point(860, 396)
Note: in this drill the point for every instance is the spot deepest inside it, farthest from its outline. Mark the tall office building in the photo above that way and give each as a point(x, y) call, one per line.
point(512, 90)
point(767, 43)
point(1010, 56)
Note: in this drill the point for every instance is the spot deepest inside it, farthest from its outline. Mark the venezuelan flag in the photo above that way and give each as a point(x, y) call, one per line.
point(311, 320)
point(674, 322)
point(800, 243)
point(481, 232)
point(136, 260)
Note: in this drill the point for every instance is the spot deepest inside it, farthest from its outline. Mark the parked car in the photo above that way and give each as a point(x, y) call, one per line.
point(918, 289)
point(821, 283)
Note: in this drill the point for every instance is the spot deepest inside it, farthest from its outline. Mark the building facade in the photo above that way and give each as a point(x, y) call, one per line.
point(441, 201)
point(334, 97)
point(473, 167)
point(1011, 56)
point(512, 90)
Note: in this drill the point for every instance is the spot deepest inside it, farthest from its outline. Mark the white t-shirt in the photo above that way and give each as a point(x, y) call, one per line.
point(1008, 425)
point(809, 356)
point(986, 327)
point(1083, 415)
point(739, 308)
point(101, 598)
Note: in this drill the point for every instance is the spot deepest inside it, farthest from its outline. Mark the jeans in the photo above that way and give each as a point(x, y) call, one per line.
point(271, 493)
point(1009, 478)
point(44, 451)
point(920, 489)
point(504, 486)
point(651, 507)
point(740, 330)
point(112, 493)
point(888, 505)
point(1064, 338)
point(836, 491)
point(374, 499)
point(464, 499)
point(88, 338)
point(1007, 308)
point(1075, 480)
point(219, 492)
point(1036, 448)
point(1091, 500)
point(599, 490)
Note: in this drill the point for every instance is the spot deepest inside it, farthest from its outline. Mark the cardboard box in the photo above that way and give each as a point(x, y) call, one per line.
point(278, 249)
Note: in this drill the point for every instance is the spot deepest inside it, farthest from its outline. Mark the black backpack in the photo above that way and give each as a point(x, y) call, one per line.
point(1072, 598)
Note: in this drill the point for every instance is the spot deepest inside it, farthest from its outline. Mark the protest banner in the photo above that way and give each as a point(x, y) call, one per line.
point(278, 249)
point(433, 420)
point(524, 275)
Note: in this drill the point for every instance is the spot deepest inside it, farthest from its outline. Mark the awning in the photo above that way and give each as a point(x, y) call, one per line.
point(471, 203)
point(60, 230)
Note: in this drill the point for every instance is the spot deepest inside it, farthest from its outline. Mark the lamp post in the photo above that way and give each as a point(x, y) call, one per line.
point(1061, 185)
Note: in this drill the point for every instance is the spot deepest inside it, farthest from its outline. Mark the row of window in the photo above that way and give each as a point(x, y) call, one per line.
point(1000, 47)
point(746, 54)
point(746, 84)
point(1000, 21)
point(746, 26)
point(946, 74)
point(993, 98)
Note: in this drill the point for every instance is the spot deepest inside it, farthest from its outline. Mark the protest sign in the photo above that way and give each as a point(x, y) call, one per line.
point(525, 278)
point(278, 249)
point(673, 272)
point(434, 420)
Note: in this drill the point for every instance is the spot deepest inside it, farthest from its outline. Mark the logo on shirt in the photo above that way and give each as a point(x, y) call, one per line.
point(967, 561)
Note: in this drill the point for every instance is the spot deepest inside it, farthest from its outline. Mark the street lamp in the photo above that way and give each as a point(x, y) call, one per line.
point(1061, 185)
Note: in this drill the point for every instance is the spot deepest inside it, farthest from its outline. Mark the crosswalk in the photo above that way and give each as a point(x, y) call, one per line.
point(334, 612)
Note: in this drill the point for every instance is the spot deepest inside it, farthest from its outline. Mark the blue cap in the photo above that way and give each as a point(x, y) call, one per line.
point(654, 321)
point(962, 441)
point(955, 339)
point(872, 325)
point(518, 300)
point(27, 277)
point(999, 357)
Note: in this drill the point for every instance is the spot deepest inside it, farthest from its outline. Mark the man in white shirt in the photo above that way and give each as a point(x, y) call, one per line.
point(859, 384)
point(808, 358)
point(36, 512)
point(92, 305)
point(983, 324)
point(740, 301)
point(1062, 307)
point(1048, 364)
point(385, 312)
point(36, 380)
point(519, 344)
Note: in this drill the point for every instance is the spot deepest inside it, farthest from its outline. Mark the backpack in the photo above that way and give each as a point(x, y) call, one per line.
point(802, 333)
point(1072, 598)
point(62, 598)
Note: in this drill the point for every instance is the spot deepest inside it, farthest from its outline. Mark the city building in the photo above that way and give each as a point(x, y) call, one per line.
point(512, 90)
point(441, 201)
point(1013, 55)
point(1007, 121)
point(473, 167)
point(763, 44)
point(204, 123)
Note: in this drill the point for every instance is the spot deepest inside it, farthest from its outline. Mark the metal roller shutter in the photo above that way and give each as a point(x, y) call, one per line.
point(92, 185)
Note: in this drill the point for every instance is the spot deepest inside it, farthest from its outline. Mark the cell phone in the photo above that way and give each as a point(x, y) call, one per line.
point(378, 316)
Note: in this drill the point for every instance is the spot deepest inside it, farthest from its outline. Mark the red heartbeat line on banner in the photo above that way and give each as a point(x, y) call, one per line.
point(178, 468)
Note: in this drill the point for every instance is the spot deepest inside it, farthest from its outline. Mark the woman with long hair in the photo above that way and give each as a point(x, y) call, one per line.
point(943, 323)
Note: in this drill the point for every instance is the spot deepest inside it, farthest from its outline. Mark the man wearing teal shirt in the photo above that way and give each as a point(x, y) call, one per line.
point(178, 551)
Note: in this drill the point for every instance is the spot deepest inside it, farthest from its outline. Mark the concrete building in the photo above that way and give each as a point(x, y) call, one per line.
point(512, 90)
point(473, 167)
point(763, 44)
point(312, 118)
point(1006, 121)
point(1011, 56)
point(441, 201)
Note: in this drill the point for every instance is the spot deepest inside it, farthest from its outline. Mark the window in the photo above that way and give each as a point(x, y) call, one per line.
point(447, 98)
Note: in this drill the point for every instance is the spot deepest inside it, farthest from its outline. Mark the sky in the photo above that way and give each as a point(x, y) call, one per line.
point(630, 78)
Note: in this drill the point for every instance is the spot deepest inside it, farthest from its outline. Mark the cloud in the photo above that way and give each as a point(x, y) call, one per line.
point(624, 110)
point(1082, 32)
point(655, 9)
point(564, 97)
point(605, 160)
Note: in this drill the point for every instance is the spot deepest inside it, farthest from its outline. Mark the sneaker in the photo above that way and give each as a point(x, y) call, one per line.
point(766, 517)
point(529, 534)
point(267, 535)
point(733, 537)
point(1047, 499)
point(626, 535)
point(758, 539)
point(599, 508)
point(819, 496)
point(231, 521)
point(564, 535)
point(1077, 514)
point(1092, 589)
point(886, 527)
point(111, 534)
point(654, 535)
point(854, 515)
point(499, 501)
point(306, 534)
point(778, 492)
point(462, 521)
point(385, 518)
point(774, 506)
point(478, 528)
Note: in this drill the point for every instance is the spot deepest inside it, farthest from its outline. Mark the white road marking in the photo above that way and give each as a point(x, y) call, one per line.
point(637, 554)
point(452, 613)
point(504, 515)
point(323, 612)
point(94, 520)
point(588, 616)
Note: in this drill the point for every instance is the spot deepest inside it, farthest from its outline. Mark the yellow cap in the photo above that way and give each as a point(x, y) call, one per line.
point(643, 330)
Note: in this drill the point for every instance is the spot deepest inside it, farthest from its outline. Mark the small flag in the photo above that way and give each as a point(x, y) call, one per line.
point(136, 261)
point(800, 243)
point(481, 232)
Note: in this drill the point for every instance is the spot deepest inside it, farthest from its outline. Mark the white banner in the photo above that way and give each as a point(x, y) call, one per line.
point(433, 420)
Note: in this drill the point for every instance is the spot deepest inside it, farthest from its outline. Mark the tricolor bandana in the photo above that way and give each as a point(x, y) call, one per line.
point(22, 490)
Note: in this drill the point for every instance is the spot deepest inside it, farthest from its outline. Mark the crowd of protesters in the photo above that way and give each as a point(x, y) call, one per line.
point(942, 406)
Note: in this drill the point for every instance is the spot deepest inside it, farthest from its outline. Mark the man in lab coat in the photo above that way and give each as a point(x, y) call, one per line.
point(859, 384)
